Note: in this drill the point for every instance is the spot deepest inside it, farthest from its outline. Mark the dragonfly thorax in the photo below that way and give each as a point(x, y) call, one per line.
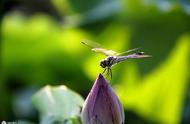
point(108, 62)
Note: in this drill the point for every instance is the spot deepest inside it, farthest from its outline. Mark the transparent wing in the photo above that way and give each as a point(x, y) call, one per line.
point(132, 56)
point(98, 48)
point(91, 44)
point(128, 51)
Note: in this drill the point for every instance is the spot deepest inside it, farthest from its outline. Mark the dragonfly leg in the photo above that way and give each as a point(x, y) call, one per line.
point(104, 70)
point(110, 73)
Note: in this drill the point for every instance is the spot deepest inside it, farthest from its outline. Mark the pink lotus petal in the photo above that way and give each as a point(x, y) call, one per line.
point(102, 105)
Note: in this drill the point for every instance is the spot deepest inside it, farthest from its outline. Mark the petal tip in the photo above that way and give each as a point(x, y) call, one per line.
point(100, 75)
point(101, 78)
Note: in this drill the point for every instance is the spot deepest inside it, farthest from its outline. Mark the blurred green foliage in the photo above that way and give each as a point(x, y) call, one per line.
point(160, 94)
point(63, 105)
point(38, 48)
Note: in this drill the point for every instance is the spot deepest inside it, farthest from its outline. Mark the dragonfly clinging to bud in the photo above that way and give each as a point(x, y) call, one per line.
point(113, 57)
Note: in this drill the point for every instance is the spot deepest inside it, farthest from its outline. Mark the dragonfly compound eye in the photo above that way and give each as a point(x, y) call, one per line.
point(103, 64)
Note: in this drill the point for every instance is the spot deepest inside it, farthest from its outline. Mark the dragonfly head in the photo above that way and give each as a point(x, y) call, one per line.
point(103, 63)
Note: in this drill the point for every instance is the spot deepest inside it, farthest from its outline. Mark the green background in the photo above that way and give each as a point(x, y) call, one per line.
point(40, 45)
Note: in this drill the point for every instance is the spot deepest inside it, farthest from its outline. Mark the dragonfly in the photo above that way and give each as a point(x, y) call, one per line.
point(113, 57)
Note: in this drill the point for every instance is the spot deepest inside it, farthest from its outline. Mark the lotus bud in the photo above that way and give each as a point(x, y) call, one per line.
point(102, 106)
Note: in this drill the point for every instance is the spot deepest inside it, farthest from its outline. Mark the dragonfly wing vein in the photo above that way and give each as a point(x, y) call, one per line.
point(125, 52)
point(104, 51)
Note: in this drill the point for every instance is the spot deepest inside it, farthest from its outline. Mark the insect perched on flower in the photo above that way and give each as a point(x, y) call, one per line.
point(113, 57)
